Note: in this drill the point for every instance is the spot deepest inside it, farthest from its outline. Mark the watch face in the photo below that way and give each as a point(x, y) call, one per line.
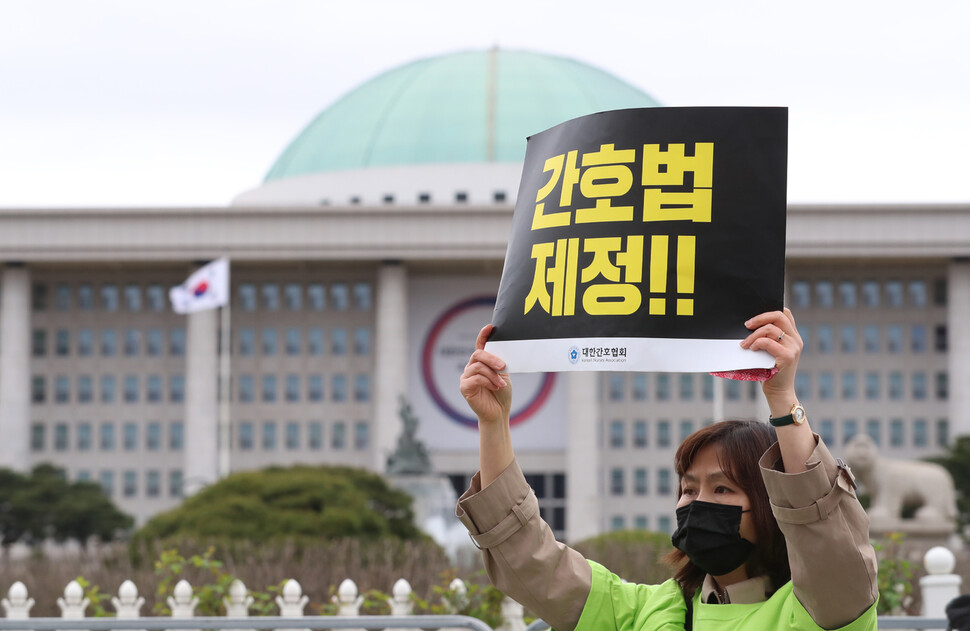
point(799, 415)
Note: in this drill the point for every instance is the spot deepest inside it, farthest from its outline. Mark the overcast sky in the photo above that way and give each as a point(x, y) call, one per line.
point(189, 102)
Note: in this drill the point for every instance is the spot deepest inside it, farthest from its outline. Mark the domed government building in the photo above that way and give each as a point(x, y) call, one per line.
point(362, 268)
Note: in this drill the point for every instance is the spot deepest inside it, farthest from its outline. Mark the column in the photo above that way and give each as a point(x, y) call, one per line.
point(958, 351)
point(201, 401)
point(15, 368)
point(583, 508)
point(391, 364)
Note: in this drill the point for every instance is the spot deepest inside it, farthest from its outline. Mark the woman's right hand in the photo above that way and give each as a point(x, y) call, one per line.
point(487, 389)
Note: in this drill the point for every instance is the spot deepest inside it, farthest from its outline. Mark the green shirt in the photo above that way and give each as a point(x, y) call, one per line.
point(613, 605)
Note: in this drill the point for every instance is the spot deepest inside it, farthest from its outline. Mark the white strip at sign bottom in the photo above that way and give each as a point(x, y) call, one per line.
point(634, 354)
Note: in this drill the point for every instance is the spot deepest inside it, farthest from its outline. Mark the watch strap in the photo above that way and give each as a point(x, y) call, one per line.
point(781, 421)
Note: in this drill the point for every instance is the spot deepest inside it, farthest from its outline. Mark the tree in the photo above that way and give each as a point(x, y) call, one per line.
point(956, 460)
point(45, 505)
point(295, 502)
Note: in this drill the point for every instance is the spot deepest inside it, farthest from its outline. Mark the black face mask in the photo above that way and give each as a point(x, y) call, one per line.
point(708, 533)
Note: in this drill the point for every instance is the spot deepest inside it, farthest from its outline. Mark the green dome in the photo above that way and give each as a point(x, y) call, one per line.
point(467, 107)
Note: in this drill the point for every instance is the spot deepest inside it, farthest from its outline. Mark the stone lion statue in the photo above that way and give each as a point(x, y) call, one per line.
point(893, 483)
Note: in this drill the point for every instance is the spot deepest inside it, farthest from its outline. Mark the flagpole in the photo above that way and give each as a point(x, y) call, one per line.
point(224, 380)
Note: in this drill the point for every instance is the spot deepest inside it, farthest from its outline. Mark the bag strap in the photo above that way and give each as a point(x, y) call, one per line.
point(689, 614)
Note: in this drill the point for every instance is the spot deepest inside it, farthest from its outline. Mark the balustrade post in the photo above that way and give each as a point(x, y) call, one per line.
point(17, 604)
point(127, 604)
point(292, 601)
point(940, 585)
point(513, 616)
point(73, 603)
point(182, 602)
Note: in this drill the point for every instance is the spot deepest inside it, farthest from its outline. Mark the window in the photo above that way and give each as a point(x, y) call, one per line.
point(85, 389)
point(292, 341)
point(132, 342)
point(874, 430)
point(131, 388)
point(84, 436)
point(38, 437)
point(800, 294)
point(247, 296)
point(362, 343)
point(849, 429)
point(315, 435)
point(803, 386)
point(107, 480)
point(85, 297)
point(917, 338)
point(269, 388)
point(847, 337)
point(640, 481)
point(663, 386)
point(338, 338)
point(361, 435)
point(939, 292)
point(732, 390)
point(176, 436)
point(269, 435)
point(870, 294)
point(153, 436)
point(314, 386)
point(153, 483)
point(917, 293)
point(805, 332)
point(894, 338)
point(617, 522)
point(338, 390)
point(640, 434)
point(663, 433)
point(38, 389)
point(107, 437)
point(873, 386)
point(109, 343)
point(362, 388)
point(617, 434)
point(245, 388)
point(129, 436)
point(825, 339)
point(663, 482)
point(176, 388)
point(826, 429)
point(154, 342)
point(942, 432)
point(616, 482)
point(247, 342)
point(894, 293)
point(921, 433)
point(824, 294)
point(849, 386)
point(847, 294)
point(939, 338)
point(175, 483)
point(133, 298)
point(108, 388)
point(338, 439)
point(895, 385)
point(686, 429)
point(62, 343)
point(315, 341)
point(176, 342)
point(62, 389)
point(292, 387)
point(153, 388)
point(826, 386)
point(130, 483)
point(707, 387)
point(155, 298)
point(871, 338)
point(245, 436)
point(686, 389)
point(919, 386)
point(639, 386)
point(85, 342)
point(109, 297)
point(271, 297)
point(896, 437)
point(293, 293)
point(362, 296)
point(316, 297)
point(942, 383)
point(616, 383)
point(269, 342)
point(340, 295)
point(38, 297)
point(38, 342)
point(292, 435)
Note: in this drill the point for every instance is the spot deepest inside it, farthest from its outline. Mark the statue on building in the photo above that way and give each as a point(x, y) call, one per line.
point(411, 456)
point(893, 484)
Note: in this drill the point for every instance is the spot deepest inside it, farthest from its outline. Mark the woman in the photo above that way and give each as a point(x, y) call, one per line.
point(757, 505)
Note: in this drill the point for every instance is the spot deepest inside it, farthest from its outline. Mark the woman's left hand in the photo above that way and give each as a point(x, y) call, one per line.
point(775, 332)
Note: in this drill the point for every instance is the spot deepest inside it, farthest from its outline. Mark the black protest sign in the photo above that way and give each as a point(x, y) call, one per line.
point(643, 225)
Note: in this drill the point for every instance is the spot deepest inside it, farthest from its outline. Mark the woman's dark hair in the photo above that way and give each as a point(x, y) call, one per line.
point(739, 444)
